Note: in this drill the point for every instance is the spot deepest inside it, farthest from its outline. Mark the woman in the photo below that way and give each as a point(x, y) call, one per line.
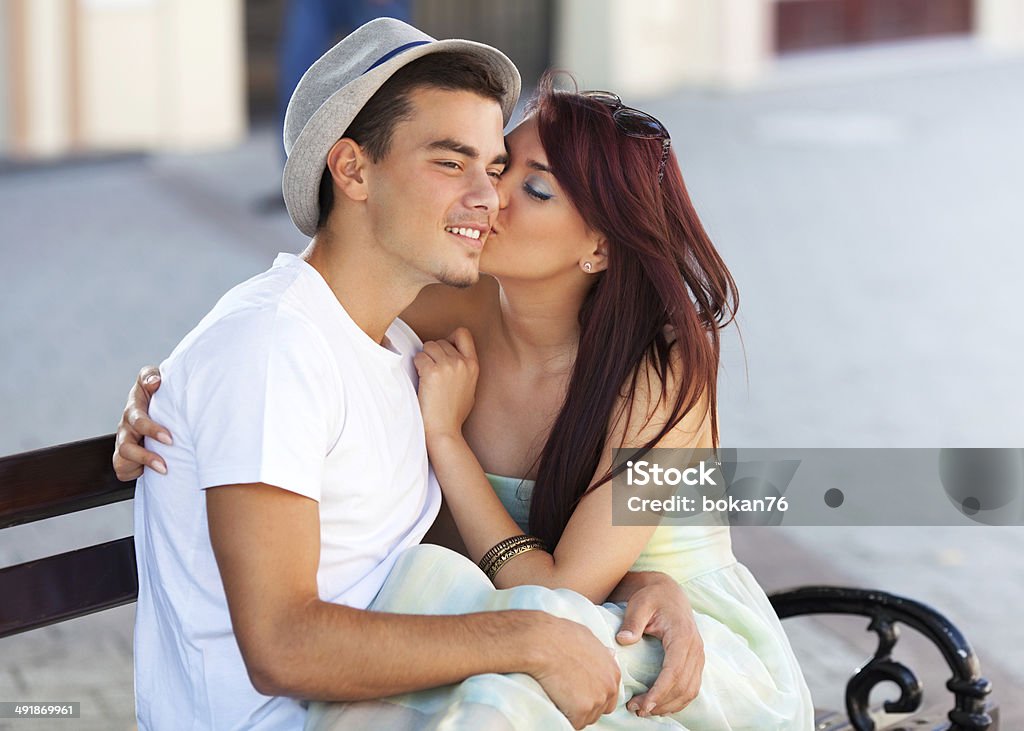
point(597, 329)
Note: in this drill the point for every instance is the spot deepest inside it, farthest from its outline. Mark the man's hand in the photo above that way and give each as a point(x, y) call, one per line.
point(660, 608)
point(130, 457)
point(579, 674)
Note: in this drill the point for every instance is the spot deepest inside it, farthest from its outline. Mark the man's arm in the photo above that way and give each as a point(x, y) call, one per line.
point(266, 541)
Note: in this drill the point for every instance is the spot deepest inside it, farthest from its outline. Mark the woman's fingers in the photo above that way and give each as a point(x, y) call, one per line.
point(143, 426)
point(126, 471)
point(423, 363)
point(457, 349)
point(136, 412)
point(130, 458)
point(449, 350)
point(434, 350)
point(462, 339)
point(149, 379)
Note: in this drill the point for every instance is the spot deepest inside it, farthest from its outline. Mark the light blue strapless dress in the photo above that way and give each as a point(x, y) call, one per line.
point(751, 679)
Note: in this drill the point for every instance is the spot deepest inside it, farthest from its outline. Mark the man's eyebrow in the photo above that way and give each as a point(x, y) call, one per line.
point(453, 145)
point(538, 166)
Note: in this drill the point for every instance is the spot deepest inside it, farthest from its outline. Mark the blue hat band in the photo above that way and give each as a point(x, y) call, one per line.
point(391, 54)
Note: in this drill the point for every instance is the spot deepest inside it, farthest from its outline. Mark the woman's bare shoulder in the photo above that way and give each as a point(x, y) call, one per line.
point(642, 414)
point(440, 308)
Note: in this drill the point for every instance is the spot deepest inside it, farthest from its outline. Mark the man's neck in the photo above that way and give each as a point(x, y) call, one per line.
point(365, 285)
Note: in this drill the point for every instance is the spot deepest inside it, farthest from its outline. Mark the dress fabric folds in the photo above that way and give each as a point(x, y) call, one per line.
point(751, 679)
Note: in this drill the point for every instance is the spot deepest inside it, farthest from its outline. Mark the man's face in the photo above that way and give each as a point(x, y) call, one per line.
point(432, 199)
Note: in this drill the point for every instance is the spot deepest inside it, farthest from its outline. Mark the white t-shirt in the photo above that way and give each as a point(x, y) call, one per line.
point(278, 385)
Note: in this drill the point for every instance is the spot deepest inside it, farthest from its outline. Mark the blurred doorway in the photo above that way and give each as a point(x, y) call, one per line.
point(522, 29)
point(263, 19)
point(806, 24)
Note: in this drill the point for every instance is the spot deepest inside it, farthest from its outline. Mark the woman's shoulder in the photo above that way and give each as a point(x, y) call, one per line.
point(658, 375)
point(439, 309)
point(648, 399)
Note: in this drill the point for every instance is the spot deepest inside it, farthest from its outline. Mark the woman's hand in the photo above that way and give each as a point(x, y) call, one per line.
point(130, 457)
point(448, 371)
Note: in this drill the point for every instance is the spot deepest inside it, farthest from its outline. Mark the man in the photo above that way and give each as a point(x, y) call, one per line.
point(298, 472)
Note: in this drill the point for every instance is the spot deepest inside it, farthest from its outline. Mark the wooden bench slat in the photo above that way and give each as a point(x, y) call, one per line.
point(69, 585)
point(59, 480)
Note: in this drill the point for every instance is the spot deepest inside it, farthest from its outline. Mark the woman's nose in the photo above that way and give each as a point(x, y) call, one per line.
point(503, 188)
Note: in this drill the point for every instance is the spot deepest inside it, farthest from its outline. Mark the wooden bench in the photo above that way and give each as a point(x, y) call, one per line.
point(72, 477)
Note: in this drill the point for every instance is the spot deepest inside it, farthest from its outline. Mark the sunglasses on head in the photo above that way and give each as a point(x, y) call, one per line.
point(634, 123)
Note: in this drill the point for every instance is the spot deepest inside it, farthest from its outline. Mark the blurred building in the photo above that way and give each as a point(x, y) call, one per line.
point(653, 46)
point(81, 76)
point(88, 76)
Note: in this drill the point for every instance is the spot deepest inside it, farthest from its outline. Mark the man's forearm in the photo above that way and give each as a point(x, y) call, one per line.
point(333, 652)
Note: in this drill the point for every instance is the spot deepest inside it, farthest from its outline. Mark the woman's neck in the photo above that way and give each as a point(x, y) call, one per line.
point(540, 325)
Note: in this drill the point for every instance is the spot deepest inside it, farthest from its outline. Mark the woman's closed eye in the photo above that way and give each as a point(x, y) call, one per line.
point(536, 188)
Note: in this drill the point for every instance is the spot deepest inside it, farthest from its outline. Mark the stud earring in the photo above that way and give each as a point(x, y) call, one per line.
point(587, 266)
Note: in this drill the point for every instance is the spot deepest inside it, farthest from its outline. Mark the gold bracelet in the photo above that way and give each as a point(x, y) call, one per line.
point(497, 550)
point(511, 553)
point(491, 568)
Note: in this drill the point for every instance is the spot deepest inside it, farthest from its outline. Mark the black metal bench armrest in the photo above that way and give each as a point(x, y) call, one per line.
point(969, 688)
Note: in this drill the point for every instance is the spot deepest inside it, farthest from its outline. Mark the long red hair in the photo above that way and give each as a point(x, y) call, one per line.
point(662, 271)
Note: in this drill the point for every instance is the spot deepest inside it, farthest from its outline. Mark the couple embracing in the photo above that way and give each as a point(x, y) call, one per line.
point(302, 564)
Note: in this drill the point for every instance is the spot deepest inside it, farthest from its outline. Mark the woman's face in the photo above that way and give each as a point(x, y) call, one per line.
point(538, 234)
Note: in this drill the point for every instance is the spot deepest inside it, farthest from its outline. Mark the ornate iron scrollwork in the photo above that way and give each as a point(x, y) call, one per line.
point(968, 687)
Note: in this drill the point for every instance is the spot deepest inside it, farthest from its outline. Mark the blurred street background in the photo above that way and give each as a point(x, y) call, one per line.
point(859, 164)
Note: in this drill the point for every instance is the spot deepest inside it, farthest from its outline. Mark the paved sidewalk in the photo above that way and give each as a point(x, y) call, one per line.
point(873, 229)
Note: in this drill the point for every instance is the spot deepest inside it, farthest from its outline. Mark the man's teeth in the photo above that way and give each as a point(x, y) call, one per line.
point(471, 233)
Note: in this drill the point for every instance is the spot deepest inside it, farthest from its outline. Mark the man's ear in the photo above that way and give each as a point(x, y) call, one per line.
point(347, 163)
